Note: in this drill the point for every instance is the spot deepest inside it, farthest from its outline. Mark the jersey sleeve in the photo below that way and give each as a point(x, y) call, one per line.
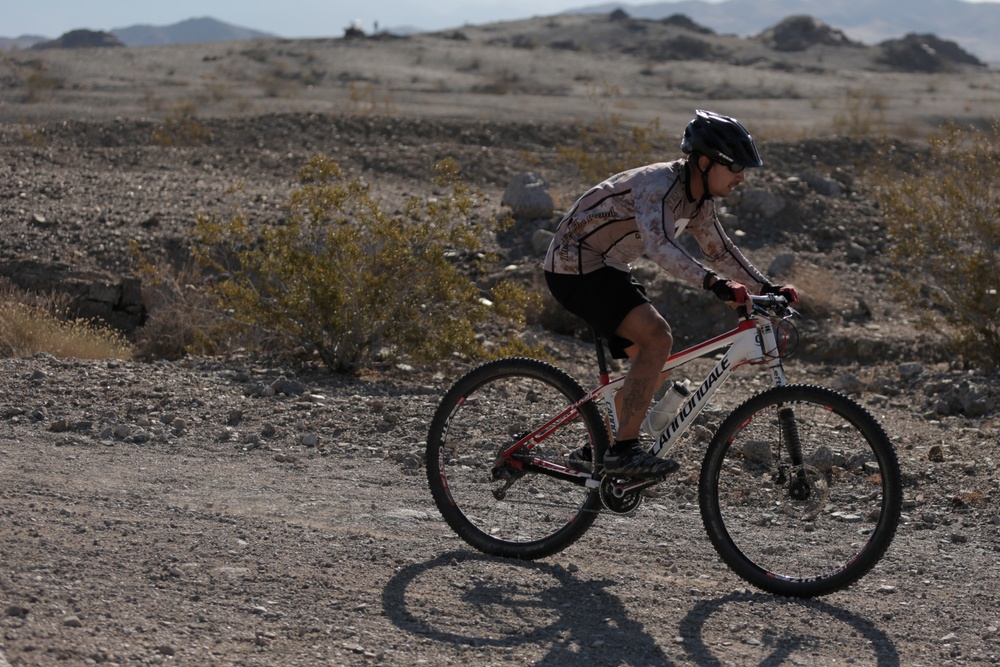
point(723, 255)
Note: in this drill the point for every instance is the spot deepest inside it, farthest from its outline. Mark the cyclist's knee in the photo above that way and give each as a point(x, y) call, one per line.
point(659, 331)
point(647, 329)
point(657, 340)
point(662, 342)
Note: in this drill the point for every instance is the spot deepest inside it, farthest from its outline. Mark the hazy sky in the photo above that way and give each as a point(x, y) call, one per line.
point(290, 18)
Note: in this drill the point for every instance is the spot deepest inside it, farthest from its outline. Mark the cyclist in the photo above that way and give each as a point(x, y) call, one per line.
point(645, 210)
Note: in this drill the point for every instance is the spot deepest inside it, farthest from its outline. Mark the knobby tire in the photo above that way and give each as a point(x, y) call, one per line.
point(800, 491)
point(486, 411)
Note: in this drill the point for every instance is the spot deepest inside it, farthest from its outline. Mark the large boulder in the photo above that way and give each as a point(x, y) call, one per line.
point(528, 197)
point(117, 300)
point(81, 39)
point(924, 53)
point(798, 33)
point(685, 22)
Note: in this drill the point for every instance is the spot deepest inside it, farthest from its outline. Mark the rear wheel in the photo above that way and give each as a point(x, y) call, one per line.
point(504, 509)
point(800, 491)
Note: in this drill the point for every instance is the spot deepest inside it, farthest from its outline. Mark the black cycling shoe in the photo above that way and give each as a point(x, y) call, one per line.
point(632, 459)
point(581, 459)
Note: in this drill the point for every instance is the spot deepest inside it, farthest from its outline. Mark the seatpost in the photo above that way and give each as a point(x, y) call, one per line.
point(602, 360)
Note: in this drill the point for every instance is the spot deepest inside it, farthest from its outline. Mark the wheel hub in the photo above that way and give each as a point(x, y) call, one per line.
point(807, 493)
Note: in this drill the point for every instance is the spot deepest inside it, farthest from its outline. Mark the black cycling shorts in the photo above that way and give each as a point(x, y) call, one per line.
point(603, 298)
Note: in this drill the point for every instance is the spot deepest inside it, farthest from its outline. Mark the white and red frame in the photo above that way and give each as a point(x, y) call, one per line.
point(753, 341)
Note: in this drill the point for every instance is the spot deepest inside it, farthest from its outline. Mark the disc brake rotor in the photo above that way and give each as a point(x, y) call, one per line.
point(806, 494)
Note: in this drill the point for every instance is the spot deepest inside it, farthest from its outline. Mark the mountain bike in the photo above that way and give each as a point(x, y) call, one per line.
point(799, 489)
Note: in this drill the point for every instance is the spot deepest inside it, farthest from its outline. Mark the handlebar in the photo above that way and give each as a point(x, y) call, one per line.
point(779, 299)
point(768, 305)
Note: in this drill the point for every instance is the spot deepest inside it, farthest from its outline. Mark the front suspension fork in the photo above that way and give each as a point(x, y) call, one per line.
point(799, 488)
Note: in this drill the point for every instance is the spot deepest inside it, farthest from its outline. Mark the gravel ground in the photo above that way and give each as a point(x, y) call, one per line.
point(175, 513)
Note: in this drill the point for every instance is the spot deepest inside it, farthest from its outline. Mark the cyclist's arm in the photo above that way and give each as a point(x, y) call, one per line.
point(724, 256)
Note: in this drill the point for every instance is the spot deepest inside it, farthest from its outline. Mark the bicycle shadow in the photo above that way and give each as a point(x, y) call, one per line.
point(470, 599)
point(780, 648)
point(522, 602)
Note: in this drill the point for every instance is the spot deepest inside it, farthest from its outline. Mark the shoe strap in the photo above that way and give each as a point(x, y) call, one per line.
point(625, 444)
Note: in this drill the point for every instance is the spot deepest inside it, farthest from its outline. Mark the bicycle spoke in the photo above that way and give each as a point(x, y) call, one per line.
point(802, 516)
point(505, 506)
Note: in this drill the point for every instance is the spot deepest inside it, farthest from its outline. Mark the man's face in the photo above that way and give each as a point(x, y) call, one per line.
point(722, 181)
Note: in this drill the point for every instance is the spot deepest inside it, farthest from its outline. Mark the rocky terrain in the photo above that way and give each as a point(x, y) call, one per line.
point(245, 511)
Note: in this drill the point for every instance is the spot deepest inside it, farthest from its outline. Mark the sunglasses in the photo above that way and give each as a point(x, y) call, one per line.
point(735, 168)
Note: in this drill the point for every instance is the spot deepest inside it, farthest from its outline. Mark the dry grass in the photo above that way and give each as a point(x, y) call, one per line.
point(862, 113)
point(30, 325)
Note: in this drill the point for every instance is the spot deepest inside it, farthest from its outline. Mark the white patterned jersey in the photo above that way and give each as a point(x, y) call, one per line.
point(645, 210)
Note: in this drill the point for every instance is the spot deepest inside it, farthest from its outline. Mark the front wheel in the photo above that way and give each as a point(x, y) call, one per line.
point(511, 508)
point(800, 491)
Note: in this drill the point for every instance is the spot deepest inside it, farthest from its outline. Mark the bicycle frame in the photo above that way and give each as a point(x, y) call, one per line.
point(754, 340)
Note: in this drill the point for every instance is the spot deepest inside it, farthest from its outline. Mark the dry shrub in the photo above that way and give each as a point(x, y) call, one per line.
point(182, 128)
point(609, 145)
point(34, 136)
point(365, 100)
point(361, 287)
point(945, 231)
point(182, 316)
point(863, 113)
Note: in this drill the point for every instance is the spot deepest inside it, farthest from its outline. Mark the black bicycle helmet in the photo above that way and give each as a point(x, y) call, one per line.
point(720, 138)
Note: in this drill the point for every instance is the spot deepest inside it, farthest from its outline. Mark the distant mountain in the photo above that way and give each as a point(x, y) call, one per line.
point(191, 31)
point(974, 26)
point(22, 42)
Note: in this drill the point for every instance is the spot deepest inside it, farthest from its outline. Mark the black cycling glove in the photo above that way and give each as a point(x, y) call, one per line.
point(786, 291)
point(730, 291)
